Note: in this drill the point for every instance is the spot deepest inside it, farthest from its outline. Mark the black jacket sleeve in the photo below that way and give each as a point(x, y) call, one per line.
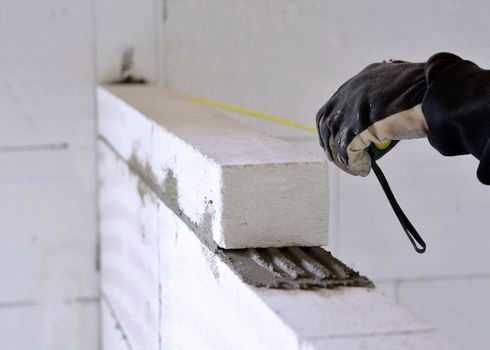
point(457, 109)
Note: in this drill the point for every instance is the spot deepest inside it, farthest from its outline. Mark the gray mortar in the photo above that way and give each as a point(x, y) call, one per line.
point(283, 268)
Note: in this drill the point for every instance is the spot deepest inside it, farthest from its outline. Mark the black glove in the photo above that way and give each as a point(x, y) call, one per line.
point(380, 104)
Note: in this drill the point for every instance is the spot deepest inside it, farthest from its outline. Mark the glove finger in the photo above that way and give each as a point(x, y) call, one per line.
point(324, 132)
point(359, 157)
point(335, 157)
point(342, 139)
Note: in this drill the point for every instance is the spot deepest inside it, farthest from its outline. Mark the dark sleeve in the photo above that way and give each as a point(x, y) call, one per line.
point(457, 108)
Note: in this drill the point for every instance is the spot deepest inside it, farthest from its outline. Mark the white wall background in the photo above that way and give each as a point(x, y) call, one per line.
point(48, 285)
point(281, 57)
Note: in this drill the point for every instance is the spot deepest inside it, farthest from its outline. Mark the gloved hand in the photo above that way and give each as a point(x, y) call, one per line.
point(381, 103)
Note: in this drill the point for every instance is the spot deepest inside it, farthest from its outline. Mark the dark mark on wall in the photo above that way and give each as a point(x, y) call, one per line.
point(18, 303)
point(164, 11)
point(128, 75)
point(38, 147)
point(82, 300)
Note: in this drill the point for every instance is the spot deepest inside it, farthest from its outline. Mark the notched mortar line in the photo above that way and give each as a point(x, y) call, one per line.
point(284, 268)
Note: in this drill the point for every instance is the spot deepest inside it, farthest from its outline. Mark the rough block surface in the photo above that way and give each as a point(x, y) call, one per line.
point(201, 303)
point(258, 191)
point(129, 252)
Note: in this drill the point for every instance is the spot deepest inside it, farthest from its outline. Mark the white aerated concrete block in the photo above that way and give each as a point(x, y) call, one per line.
point(113, 336)
point(258, 191)
point(129, 245)
point(200, 303)
point(429, 340)
point(206, 306)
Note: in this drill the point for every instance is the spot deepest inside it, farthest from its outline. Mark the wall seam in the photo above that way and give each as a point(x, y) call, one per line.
point(97, 247)
point(162, 52)
point(435, 278)
point(374, 334)
point(116, 321)
point(159, 259)
point(35, 147)
point(18, 303)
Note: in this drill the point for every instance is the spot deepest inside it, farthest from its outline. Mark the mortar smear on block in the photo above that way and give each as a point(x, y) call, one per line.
point(283, 268)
